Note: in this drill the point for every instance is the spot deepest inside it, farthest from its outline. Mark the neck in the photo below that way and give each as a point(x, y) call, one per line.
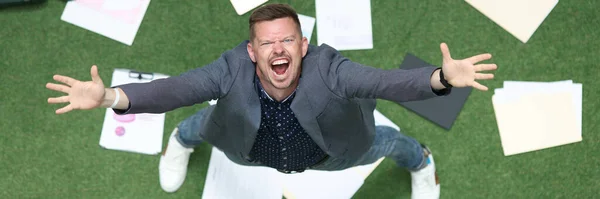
point(278, 94)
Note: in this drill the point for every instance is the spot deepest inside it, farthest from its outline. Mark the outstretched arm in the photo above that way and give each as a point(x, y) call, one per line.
point(158, 96)
point(353, 80)
point(192, 87)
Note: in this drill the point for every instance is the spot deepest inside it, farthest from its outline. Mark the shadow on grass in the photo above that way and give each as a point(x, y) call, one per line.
point(31, 6)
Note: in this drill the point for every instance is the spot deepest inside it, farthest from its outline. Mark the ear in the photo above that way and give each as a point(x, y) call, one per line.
point(304, 46)
point(251, 52)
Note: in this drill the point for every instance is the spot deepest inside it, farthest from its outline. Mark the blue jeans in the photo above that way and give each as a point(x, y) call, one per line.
point(404, 150)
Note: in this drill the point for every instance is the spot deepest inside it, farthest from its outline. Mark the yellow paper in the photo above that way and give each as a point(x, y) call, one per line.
point(243, 6)
point(520, 18)
point(536, 121)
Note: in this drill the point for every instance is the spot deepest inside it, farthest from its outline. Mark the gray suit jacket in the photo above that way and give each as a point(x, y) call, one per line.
point(334, 102)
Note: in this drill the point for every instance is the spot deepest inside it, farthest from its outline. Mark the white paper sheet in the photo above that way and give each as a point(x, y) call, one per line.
point(323, 184)
point(243, 6)
point(344, 24)
point(366, 170)
point(138, 133)
point(307, 23)
point(115, 19)
point(512, 83)
point(381, 119)
point(538, 115)
point(521, 18)
point(513, 89)
point(227, 180)
point(332, 184)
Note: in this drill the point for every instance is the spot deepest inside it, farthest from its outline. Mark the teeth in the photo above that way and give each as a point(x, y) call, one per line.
point(278, 62)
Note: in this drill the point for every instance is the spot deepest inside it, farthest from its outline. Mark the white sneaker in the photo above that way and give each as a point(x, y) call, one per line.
point(425, 182)
point(173, 164)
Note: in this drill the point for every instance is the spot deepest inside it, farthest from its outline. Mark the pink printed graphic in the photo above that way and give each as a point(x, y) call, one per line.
point(127, 11)
point(120, 131)
point(124, 118)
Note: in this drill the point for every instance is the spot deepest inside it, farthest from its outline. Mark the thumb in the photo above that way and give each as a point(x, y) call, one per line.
point(95, 77)
point(445, 51)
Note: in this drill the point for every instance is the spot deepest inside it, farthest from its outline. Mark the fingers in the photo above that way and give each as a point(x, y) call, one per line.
point(485, 67)
point(479, 58)
point(484, 76)
point(58, 87)
point(56, 100)
point(95, 76)
point(478, 86)
point(445, 51)
point(64, 79)
point(64, 109)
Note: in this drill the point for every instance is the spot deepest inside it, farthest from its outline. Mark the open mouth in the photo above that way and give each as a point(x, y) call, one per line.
point(280, 66)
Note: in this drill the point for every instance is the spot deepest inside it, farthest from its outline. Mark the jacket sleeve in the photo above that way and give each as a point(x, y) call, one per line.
point(194, 86)
point(353, 80)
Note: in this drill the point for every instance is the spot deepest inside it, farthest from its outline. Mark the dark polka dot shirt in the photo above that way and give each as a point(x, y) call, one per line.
point(281, 142)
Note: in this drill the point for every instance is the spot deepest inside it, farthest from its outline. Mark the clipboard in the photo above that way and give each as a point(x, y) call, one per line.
point(442, 111)
point(137, 133)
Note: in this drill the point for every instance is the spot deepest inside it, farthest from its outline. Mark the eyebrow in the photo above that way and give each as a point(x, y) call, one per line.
point(267, 40)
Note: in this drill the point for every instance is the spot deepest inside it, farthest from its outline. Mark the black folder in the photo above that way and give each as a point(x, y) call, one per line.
point(442, 110)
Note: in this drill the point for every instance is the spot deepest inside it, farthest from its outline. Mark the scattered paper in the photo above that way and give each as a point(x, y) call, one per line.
point(381, 119)
point(243, 6)
point(322, 184)
point(307, 23)
point(115, 19)
point(366, 170)
point(344, 24)
point(212, 102)
point(521, 87)
point(538, 115)
point(327, 184)
point(138, 133)
point(228, 180)
point(520, 18)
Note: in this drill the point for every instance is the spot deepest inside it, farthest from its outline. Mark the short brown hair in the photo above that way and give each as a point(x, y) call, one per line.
point(271, 12)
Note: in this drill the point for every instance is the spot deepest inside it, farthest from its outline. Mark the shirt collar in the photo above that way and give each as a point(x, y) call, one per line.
point(265, 94)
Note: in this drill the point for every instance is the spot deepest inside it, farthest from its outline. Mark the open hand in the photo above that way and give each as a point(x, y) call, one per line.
point(80, 95)
point(463, 73)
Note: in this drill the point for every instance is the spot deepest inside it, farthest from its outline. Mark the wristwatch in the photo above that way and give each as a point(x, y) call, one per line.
point(443, 80)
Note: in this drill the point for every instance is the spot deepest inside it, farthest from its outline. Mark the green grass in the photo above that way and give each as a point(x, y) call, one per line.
point(57, 156)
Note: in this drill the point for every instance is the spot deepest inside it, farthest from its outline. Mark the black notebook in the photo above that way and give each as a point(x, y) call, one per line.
point(442, 110)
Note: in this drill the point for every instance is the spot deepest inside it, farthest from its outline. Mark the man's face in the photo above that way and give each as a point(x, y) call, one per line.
point(277, 50)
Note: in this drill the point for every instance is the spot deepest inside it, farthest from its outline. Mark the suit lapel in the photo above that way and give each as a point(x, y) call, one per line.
point(253, 112)
point(307, 114)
